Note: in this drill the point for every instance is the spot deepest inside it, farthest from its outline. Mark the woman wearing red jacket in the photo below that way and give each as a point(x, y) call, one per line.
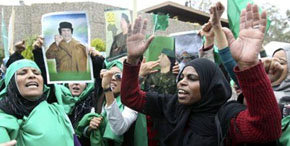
point(199, 114)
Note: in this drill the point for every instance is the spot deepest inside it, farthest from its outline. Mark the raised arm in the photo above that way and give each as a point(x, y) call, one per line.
point(261, 121)
point(220, 40)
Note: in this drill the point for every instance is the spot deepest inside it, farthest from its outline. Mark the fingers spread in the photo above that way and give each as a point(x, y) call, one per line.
point(129, 30)
point(249, 16)
point(149, 41)
point(229, 35)
point(137, 26)
point(256, 17)
point(243, 20)
point(263, 21)
point(144, 27)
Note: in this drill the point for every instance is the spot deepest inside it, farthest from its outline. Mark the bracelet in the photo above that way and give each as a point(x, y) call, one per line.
point(107, 89)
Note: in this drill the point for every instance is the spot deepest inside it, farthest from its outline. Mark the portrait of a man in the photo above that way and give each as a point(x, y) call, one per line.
point(69, 54)
point(119, 43)
point(117, 23)
point(65, 48)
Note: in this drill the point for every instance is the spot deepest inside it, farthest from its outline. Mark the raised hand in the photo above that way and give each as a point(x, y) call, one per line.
point(136, 44)
point(58, 39)
point(94, 52)
point(38, 43)
point(175, 68)
point(20, 46)
point(216, 12)
point(106, 76)
point(147, 67)
point(207, 31)
point(245, 49)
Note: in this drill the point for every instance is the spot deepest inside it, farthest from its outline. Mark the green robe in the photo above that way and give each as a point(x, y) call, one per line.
point(46, 125)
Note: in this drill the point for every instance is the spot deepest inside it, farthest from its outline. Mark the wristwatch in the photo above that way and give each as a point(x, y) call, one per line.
point(107, 89)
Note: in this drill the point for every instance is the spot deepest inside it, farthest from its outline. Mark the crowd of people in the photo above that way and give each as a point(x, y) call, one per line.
point(132, 104)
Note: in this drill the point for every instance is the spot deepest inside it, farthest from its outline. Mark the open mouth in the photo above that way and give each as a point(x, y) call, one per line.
point(76, 88)
point(182, 93)
point(113, 85)
point(32, 85)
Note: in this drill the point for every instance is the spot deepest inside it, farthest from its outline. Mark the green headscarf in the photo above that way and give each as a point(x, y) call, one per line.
point(116, 63)
point(11, 70)
point(31, 130)
point(65, 98)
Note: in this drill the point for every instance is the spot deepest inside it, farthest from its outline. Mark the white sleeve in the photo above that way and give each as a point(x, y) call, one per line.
point(120, 122)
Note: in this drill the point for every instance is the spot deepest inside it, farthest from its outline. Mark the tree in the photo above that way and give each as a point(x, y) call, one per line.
point(279, 28)
point(99, 44)
point(27, 53)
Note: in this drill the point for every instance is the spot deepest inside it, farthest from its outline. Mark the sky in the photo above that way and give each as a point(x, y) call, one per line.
point(141, 4)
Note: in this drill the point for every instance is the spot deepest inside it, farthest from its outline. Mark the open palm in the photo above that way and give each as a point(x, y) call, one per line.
point(136, 44)
point(246, 47)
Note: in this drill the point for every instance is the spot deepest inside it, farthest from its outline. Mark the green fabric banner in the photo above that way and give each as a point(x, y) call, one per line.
point(234, 10)
point(160, 22)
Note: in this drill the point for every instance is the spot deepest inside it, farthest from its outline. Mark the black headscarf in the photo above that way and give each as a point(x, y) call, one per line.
point(16, 105)
point(196, 124)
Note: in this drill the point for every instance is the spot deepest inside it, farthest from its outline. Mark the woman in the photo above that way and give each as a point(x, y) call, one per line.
point(24, 113)
point(198, 114)
point(77, 99)
point(120, 126)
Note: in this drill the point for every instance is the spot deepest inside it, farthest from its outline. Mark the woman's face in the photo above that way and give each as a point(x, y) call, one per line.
point(278, 77)
point(188, 86)
point(29, 82)
point(116, 80)
point(76, 89)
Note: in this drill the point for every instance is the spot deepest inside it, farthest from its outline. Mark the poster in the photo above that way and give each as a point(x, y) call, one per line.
point(187, 45)
point(117, 22)
point(163, 81)
point(66, 39)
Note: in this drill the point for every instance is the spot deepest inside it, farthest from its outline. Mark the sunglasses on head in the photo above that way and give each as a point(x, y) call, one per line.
point(118, 76)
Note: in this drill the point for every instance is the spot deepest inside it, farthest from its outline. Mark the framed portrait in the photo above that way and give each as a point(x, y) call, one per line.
point(66, 39)
point(117, 22)
point(187, 45)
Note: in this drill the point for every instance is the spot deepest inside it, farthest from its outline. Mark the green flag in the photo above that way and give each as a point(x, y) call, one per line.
point(234, 10)
point(160, 22)
point(4, 35)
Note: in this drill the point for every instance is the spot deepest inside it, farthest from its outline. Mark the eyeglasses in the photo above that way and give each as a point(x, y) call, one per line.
point(118, 76)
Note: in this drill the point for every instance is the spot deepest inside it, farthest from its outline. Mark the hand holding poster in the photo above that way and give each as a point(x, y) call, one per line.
point(66, 36)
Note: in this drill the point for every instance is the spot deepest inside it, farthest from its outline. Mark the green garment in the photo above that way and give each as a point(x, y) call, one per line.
point(65, 98)
point(116, 63)
point(161, 83)
point(234, 10)
point(140, 133)
point(96, 137)
point(46, 125)
point(284, 139)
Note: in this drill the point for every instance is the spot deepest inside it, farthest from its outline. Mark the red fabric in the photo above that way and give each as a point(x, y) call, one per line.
point(135, 98)
point(152, 133)
point(132, 96)
point(260, 122)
